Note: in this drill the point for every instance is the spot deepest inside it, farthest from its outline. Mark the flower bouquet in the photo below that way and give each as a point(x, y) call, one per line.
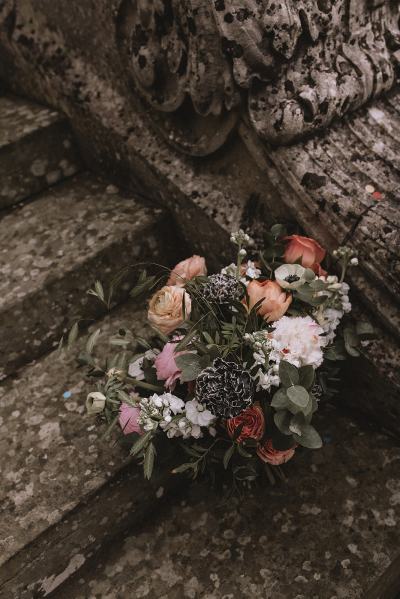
point(239, 363)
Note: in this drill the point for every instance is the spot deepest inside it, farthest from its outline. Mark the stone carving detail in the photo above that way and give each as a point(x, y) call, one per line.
point(296, 64)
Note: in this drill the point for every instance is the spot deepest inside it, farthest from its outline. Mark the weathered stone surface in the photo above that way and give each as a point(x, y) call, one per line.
point(291, 65)
point(64, 491)
point(328, 534)
point(76, 232)
point(36, 149)
point(81, 70)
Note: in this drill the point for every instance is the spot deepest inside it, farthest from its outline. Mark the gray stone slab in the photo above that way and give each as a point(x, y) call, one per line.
point(327, 534)
point(51, 252)
point(64, 490)
point(37, 149)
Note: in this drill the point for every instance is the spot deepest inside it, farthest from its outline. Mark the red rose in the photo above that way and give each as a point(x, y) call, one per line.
point(253, 422)
point(267, 453)
point(307, 250)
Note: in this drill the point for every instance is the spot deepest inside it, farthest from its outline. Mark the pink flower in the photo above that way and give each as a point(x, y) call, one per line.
point(128, 419)
point(305, 249)
point(165, 308)
point(275, 300)
point(165, 364)
point(186, 270)
point(267, 453)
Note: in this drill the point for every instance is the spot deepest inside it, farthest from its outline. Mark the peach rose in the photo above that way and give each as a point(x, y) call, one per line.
point(186, 270)
point(267, 453)
point(275, 300)
point(253, 422)
point(165, 308)
point(305, 249)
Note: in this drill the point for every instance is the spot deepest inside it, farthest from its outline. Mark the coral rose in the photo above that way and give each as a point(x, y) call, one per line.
point(165, 308)
point(275, 300)
point(186, 270)
point(128, 419)
point(307, 250)
point(275, 457)
point(253, 422)
point(165, 364)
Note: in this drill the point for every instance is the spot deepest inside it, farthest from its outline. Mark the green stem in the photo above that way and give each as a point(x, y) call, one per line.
point(145, 385)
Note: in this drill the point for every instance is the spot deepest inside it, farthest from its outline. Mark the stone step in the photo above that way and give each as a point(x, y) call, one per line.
point(65, 491)
point(37, 149)
point(328, 533)
point(52, 250)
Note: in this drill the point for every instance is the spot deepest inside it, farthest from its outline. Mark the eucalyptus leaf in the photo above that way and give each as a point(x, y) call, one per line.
point(282, 421)
point(288, 374)
point(307, 376)
point(280, 400)
point(298, 395)
point(190, 364)
point(309, 437)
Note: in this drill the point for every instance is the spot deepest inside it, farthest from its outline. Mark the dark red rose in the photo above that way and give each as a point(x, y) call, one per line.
point(253, 422)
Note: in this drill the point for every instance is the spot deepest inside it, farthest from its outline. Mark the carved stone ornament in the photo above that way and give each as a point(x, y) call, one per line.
point(294, 64)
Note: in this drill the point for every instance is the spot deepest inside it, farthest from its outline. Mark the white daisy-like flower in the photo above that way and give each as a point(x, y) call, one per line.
point(290, 276)
point(197, 414)
point(298, 340)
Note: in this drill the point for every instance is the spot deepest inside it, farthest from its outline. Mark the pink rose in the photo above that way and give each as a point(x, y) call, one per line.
point(128, 419)
point(307, 250)
point(165, 308)
point(267, 453)
point(186, 270)
point(165, 364)
point(275, 300)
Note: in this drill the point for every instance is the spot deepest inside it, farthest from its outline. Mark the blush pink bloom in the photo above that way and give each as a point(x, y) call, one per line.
point(275, 300)
point(165, 308)
point(305, 249)
point(275, 457)
point(165, 365)
point(186, 270)
point(128, 419)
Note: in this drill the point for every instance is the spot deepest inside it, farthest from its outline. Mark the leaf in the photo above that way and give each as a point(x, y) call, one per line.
point(98, 287)
point(365, 330)
point(280, 400)
point(282, 421)
point(183, 468)
point(141, 443)
point(91, 342)
point(309, 274)
point(309, 437)
point(278, 231)
point(243, 452)
point(73, 335)
point(298, 395)
point(351, 341)
point(227, 456)
point(288, 374)
point(307, 375)
point(148, 464)
point(191, 366)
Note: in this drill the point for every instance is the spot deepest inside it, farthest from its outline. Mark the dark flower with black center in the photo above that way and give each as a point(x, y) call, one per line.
point(225, 389)
point(222, 289)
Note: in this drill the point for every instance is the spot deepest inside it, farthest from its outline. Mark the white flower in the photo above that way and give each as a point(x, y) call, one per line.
point(197, 414)
point(135, 367)
point(252, 271)
point(290, 276)
point(266, 380)
point(95, 402)
point(298, 340)
point(174, 402)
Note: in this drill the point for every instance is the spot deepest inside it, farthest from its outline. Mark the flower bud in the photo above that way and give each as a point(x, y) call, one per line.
point(95, 402)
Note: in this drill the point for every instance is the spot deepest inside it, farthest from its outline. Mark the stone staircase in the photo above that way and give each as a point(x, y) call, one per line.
point(63, 492)
point(68, 498)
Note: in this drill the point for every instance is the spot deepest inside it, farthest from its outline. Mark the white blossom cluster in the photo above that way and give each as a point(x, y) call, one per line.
point(175, 417)
point(241, 238)
point(333, 309)
point(249, 270)
point(266, 375)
